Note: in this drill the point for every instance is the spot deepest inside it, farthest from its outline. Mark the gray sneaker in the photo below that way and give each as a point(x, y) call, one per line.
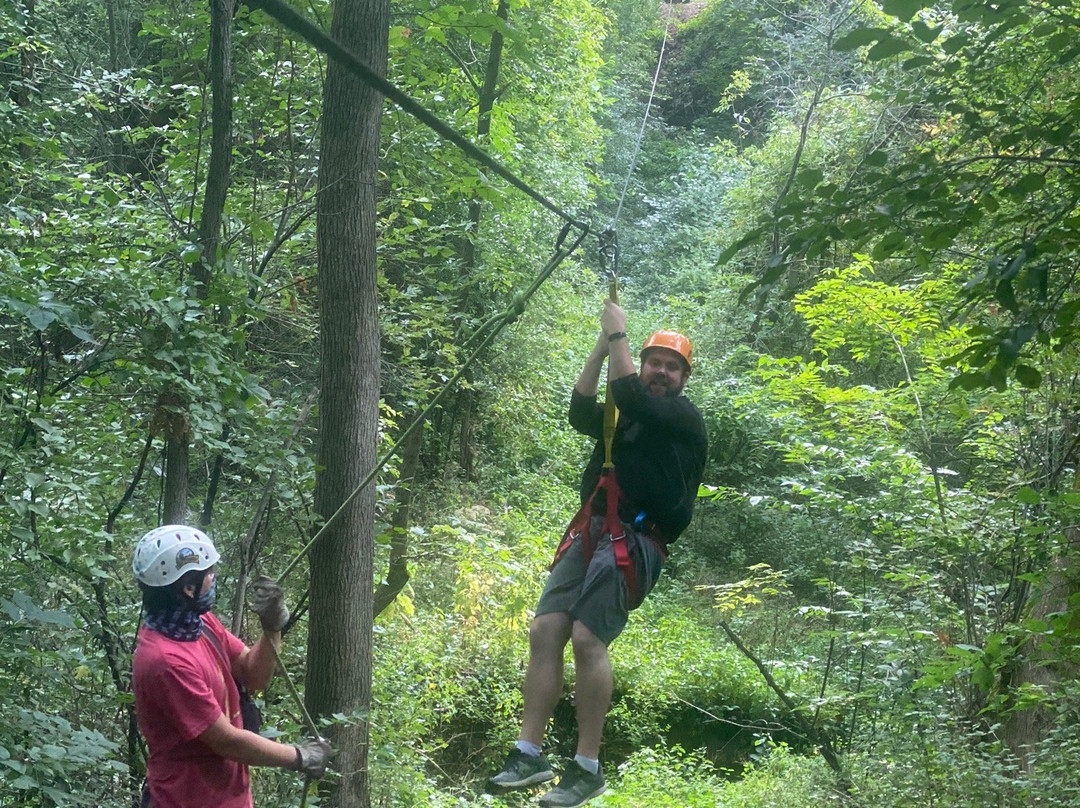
point(521, 770)
point(576, 787)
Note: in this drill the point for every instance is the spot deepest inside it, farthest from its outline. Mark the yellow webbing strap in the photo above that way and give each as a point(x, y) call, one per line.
point(611, 412)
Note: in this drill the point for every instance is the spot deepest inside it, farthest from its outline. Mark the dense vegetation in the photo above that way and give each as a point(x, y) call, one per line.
point(865, 216)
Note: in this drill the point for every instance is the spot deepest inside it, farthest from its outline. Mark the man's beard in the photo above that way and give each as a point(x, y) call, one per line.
point(665, 390)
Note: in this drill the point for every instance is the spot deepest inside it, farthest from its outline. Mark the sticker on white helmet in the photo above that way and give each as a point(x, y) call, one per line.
point(186, 556)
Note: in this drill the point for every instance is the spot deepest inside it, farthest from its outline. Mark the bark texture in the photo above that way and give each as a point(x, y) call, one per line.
point(339, 635)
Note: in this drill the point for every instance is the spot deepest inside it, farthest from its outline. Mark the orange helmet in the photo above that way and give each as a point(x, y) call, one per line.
point(673, 341)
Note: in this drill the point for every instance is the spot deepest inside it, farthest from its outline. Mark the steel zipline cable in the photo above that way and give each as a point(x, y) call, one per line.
point(609, 242)
point(321, 40)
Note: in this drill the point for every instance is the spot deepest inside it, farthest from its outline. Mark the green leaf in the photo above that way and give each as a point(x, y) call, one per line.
point(956, 43)
point(1028, 496)
point(982, 676)
point(903, 9)
point(1005, 295)
point(810, 177)
point(876, 158)
point(916, 62)
point(1028, 376)
point(924, 33)
point(859, 38)
point(969, 381)
point(191, 253)
point(729, 252)
point(1067, 313)
point(1037, 279)
point(889, 244)
point(888, 47)
point(40, 318)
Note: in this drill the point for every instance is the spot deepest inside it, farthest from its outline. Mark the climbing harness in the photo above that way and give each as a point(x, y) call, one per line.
point(581, 528)
point(607, 489)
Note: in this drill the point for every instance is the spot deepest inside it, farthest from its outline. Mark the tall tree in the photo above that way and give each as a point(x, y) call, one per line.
point(340, 635)
point(178, 435)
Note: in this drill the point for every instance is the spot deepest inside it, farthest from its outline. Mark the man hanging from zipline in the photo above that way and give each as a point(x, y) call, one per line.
point(637, 493)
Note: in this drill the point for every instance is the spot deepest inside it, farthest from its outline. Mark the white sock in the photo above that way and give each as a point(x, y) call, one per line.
point(528, 748)
point(591, 765)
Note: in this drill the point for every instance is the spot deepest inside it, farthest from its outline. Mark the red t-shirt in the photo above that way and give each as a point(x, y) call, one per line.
point(180, 690)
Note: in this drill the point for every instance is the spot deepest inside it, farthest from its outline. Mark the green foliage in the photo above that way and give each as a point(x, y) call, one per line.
point(987, 180)
point(48, 761)
point(50, 752)
point(669, 664)
point(447, 660)
point(664, 776)
point(783, 777)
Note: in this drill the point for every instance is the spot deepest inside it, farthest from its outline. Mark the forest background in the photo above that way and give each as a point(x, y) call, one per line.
point(865, 215)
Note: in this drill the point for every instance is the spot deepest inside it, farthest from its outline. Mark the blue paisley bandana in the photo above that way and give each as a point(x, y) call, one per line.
point(184, 623)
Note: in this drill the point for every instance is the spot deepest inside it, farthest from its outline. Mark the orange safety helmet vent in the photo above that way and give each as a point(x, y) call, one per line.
point(673, 341)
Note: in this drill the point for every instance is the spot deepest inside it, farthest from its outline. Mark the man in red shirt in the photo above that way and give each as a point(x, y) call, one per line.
point(186, 676)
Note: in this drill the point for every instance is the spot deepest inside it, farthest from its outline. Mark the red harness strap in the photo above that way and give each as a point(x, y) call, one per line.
point(580, 525)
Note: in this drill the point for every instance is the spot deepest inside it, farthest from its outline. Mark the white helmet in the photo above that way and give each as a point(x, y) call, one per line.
point(167, 552)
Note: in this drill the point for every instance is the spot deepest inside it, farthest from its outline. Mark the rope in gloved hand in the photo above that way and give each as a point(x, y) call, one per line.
point(313, 756)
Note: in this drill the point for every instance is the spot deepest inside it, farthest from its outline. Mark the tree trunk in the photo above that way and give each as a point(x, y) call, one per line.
point(174, 508)
point(466, 452)
point(1036, 664)
point(217, 187)
point(397, 574)
point(339, 633)
point(484, 105)
point(217, 172)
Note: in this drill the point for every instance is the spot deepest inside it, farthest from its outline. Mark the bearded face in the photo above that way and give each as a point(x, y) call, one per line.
point(663, 372)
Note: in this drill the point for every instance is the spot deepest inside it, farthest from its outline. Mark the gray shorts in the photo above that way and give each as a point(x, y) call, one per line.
point(597, 595)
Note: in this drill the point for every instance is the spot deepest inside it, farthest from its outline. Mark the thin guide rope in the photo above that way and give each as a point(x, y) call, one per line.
point(644, 120)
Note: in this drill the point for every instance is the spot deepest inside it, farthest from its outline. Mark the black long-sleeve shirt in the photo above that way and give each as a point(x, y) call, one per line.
point(659, 452)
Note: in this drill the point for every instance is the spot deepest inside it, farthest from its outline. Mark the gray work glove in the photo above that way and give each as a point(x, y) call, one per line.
point(268, 601)
point(313, 756)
